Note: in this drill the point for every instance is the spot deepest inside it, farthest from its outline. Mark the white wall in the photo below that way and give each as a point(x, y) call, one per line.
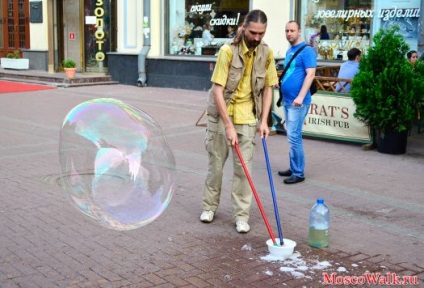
point(130, 21)
point(278, 14)
point(130, 27)
point(39, 31)
point(156, 15)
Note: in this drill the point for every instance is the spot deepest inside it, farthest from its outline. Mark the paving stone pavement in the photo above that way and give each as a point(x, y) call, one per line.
point(376, 203)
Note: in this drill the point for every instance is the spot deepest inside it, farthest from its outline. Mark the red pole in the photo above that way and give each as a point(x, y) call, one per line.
point(271, 234)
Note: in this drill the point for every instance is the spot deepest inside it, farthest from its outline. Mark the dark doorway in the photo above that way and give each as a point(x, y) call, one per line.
point(58, 33)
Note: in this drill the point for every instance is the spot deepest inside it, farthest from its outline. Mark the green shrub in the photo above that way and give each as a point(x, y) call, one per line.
point(69, 63)
point(15, 55)
point(387, 89)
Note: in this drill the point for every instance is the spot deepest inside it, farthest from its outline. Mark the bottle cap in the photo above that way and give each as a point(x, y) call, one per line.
point(320, 200)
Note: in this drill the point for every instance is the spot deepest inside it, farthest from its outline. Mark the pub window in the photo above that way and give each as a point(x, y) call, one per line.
point(200, 27)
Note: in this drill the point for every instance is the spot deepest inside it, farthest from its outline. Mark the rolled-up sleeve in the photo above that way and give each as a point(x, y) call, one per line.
point(222, 66)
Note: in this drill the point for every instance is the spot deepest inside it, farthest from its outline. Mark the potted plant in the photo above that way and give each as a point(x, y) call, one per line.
point(70, 68)
point(387, 91)
point(14, 61)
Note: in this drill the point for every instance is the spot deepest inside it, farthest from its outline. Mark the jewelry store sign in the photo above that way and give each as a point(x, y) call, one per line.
point(98, 21)
point(385, 14)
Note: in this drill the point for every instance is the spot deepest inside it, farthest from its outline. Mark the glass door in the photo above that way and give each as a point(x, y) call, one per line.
point(14, 24)
point(98, 34)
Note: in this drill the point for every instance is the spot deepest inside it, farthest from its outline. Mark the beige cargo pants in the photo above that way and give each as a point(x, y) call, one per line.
point(218, 147)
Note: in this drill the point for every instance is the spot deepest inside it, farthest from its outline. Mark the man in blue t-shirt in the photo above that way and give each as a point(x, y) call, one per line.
point(349, 69)
point(297, 99)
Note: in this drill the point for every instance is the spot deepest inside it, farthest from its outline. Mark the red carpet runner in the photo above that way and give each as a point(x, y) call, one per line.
point(11, 86)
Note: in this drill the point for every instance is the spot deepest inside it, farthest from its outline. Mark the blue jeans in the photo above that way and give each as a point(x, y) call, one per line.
point(294, 117)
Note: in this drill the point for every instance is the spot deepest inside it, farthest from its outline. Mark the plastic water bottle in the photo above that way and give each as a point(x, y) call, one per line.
point(319, 224)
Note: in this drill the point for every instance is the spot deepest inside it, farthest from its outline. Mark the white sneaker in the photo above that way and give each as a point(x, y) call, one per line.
point(207, 216)
point(242, 226)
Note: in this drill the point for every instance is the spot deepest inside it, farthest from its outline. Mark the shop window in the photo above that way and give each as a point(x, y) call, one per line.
point(347, 23)
point(200, 27)
point(352, 23)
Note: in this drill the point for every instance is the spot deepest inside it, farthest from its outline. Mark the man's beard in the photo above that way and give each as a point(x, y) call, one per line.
point(251, 44)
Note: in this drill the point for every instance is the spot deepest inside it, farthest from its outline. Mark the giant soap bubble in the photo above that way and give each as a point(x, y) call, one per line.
point(117, 167)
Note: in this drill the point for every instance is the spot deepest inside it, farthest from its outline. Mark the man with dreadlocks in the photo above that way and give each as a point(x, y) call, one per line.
point(238, 105)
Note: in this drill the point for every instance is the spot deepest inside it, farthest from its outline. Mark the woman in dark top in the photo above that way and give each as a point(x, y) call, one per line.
point(323, 35)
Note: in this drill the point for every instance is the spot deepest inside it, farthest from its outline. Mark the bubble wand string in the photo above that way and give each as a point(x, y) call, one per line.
point(271, 184)
point(271, 234)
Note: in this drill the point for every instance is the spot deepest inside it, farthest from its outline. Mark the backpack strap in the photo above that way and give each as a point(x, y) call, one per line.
point(280, 99)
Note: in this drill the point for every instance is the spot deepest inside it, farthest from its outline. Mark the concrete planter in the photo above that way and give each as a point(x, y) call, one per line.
point(13, 63)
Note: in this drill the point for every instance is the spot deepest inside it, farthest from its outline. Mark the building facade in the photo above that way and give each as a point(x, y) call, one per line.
point(164, 39)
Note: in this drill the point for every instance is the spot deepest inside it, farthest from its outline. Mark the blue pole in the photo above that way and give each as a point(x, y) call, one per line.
point(271, 183)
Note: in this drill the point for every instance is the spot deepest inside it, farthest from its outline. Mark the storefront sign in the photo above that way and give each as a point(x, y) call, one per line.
point(386, 14)
point(331, 116)
point(99, 12)
point(201, 8)
point(36, 12)
point(345, 14)
point(223, 21)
